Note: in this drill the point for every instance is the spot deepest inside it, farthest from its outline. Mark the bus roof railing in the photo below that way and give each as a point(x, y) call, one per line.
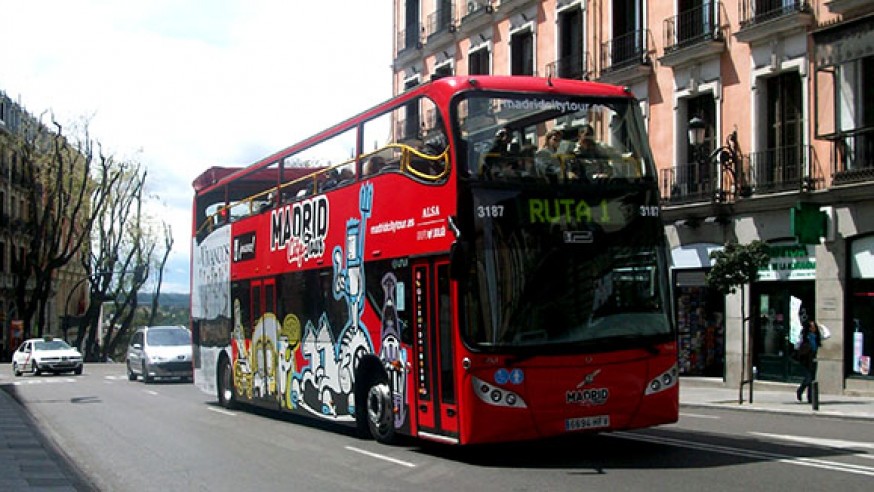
point(411, 161)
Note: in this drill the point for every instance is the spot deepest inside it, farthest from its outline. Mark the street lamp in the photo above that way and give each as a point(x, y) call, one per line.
point(697, 132)
point(728, 158)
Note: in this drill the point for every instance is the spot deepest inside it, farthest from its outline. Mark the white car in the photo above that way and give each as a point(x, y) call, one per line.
point(160, 352)
point(47, 354)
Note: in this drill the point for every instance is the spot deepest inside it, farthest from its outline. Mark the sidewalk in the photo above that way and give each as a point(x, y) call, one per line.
point(771, 397)
point(28, 460)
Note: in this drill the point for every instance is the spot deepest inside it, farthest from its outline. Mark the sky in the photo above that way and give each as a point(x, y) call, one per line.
point(183, 85)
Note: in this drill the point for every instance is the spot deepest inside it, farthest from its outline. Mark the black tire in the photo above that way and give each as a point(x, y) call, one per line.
point(380, 411)
point(77, 371)
point(131, 376)
point(146, 378)
point(15, 369)
point(227, 395)
point(35, 369)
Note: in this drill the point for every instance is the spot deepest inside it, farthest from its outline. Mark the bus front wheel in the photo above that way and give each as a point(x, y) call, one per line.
point(379, 412)
point(226, 395)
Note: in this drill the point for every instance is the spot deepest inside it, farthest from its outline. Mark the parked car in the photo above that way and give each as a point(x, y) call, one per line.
point(38, 355)
point(160, 352)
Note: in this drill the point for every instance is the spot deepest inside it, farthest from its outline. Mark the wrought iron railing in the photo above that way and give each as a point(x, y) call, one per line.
point(787, 168)
point(442, 20)
point(853, 158)
point(688, 183)
point(693, 26)
point(570, 67)
point(758, 11)
point(625, 50)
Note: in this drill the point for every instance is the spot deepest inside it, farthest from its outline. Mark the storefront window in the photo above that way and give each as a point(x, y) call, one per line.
point(860, 327)
point(700, 325)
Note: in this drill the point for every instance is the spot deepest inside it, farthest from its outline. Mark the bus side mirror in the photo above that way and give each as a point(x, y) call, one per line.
point(459, 260)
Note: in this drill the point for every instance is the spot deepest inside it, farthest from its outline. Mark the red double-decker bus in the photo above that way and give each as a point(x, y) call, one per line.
point(479, 259)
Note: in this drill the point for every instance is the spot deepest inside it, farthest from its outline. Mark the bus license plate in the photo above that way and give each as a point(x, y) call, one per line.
point(581, 423)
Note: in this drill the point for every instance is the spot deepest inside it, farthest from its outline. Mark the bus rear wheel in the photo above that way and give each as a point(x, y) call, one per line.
point(380, 413)
point(226, 395)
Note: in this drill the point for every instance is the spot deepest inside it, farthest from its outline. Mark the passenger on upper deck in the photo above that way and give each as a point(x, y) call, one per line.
point(546, 162)
point(373, 165)
point(592, 157)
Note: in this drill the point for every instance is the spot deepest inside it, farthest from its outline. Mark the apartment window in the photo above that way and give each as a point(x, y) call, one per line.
point(628, 31)
point(3, 257)
point(780, 164)
point(478, 62)
point(444, 70)
point(522, 53)
point(570, 44)
point(411, 16)
point(411, 116)
point(444, 14)
point(695, 21)
point(694, 177)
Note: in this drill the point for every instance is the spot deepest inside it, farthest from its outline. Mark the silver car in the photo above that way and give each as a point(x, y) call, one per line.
point(160, 352)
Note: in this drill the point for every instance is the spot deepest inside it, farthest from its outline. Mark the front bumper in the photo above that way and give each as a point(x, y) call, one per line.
point(59, 365)
point(174, 369)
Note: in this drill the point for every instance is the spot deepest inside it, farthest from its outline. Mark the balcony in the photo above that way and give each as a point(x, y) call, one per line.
point(475, 15)
point(570, 67)
point(785, 169)
point(626, 58)
point(441, 23)
point(849, 7)
point(693, 35)
point(767, 19)
point(853, 158)
point(409, 44)
point(687, 183)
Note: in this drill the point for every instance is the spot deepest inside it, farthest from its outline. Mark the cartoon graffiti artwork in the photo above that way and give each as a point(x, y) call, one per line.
point(289, 340)
point(394, 356)
point(325, 381)
point(242, 369)
point(264, 355)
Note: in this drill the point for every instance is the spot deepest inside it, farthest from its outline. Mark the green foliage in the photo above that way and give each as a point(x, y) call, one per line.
point(737, 265)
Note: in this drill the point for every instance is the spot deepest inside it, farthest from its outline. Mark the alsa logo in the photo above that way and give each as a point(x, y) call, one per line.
point(300, 229)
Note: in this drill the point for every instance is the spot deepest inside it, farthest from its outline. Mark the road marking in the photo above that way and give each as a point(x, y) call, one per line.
point(831, 443)
point(115, 378)
point(44, 381)
point(382, 457)
point(699, 416)
point(748, 453)
point(221, 411)
point(153, 393)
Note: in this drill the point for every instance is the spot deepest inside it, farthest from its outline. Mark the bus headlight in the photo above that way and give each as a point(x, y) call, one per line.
point(494, 395)
point(663, 381)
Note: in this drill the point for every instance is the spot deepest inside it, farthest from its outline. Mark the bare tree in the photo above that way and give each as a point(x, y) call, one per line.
point(117, 259)
point(123, 255)
point(67, 186)
point(168, 246)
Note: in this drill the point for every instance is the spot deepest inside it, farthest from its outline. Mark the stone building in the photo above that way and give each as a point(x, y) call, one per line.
point(777, 96)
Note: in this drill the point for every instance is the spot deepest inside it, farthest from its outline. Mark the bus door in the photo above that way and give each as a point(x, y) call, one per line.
point(264, 337)
point(437, 408)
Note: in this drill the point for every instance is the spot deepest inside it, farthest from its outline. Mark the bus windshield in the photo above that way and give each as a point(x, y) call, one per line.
point(525, 137)
point(567, 245)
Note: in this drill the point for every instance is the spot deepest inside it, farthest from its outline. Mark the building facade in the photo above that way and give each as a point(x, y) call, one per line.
point(68, 292)
point(762, 129)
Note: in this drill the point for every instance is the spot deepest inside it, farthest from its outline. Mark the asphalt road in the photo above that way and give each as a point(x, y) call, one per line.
point(129, 436)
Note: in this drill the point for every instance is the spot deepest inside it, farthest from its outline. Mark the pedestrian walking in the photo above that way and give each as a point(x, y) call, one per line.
point(809, 343)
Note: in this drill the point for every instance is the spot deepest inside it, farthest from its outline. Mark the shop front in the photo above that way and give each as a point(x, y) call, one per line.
point(782, 300)
point(700, 313)
point(859, 331)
